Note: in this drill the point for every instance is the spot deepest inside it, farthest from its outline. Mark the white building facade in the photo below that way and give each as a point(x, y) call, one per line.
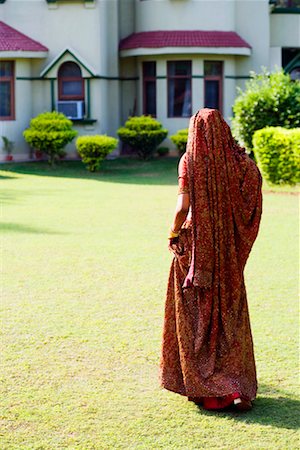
point(100, 61)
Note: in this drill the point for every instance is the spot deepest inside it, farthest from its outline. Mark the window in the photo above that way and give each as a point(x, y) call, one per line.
point(213, 85)
point(149, 88)
point(179, 88)
point(7, 88)
point(70, 82)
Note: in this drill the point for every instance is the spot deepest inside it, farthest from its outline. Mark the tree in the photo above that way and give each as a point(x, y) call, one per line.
point(94, 149)
point(50, 132)
point(143, 134)
point(268, 100)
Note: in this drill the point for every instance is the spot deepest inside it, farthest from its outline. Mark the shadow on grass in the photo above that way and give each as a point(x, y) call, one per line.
point(17, 228)
point(5, 177)
point(276, 411)
point(161, 171)
point(9, 196)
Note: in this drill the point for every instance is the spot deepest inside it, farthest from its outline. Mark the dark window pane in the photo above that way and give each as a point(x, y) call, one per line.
point(150, 98)
point(6, 69)
point(149, 69)
point(288, 54)
point(72, 88)
point(295, 73)
point(69, 70)
point(212, 90)
point(212, 68)
point(5, 99)
point(179, 68)
point(179, 98)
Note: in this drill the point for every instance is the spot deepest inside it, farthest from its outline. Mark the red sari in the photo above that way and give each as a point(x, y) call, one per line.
point(207, 350)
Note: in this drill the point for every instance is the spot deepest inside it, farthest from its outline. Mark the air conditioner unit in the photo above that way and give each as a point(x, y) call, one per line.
point(72, 109)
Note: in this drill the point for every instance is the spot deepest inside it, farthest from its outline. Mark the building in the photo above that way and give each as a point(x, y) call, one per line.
point(100, 61)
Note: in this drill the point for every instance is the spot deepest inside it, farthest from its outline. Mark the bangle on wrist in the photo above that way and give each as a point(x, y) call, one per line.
point(172, 234)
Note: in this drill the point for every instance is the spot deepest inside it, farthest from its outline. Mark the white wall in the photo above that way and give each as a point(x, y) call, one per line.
point(91, 30)
point(285, 30)
point(252, 23)
point(70, 25)
point(154, 15)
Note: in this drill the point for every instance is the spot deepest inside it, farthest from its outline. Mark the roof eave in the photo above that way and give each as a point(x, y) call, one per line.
point(77, 58)
point(21, 54)
point(238, 51)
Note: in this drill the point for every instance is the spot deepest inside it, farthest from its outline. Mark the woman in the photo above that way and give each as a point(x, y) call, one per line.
point(207, 349)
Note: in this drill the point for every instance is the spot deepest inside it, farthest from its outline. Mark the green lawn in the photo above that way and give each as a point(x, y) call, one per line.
point(85, 266)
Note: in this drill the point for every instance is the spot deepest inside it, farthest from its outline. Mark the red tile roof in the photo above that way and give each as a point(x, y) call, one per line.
point(12, 40)
point(197, 38)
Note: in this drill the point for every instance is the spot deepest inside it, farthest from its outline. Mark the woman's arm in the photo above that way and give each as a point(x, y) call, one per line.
point(181, 212)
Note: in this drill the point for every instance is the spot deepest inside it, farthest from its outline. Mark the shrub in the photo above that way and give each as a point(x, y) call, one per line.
point(143, 134)
point(180, 140)
point(268, 100)
point(163, 151)
point(93, 149)
point(278, 153)
point(49, 133)
point(8, 147)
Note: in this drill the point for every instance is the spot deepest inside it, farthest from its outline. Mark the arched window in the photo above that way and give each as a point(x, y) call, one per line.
point(70, 82)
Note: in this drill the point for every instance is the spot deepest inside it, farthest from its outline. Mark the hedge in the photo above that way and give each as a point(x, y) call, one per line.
point(49, 133)
point(143, 134)
point(180, 140)
point(277, 151)
point(269, 99)
point(93, 149)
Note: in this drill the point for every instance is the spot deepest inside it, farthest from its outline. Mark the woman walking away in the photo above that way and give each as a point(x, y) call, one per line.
point(207, 349)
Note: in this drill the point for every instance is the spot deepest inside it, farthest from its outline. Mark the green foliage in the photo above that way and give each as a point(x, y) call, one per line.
point(268, 100)
point(278, 153)
point(93, 149)
point(163, 151)
point(180, 140)
point(49, 133)
point(143, 134)
point(8, 145)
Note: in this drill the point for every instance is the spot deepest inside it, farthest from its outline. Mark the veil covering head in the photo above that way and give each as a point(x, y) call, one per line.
point(225, 199)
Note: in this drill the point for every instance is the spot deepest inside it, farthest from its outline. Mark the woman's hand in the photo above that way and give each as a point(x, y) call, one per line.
point(174, 246)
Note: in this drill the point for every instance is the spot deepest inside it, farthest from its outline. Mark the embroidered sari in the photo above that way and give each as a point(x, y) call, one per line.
point(207, 349)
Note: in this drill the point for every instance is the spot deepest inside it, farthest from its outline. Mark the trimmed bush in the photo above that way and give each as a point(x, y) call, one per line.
point(93, 149)
point(268, 100)
point(49, 133)
point(278, 154)
point(180, 140)
point(143, 134)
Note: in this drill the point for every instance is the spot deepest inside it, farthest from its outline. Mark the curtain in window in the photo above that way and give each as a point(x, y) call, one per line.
point(6, 90)
point(179, 89)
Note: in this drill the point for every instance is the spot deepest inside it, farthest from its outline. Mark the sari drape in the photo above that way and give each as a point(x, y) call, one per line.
point(207, 347)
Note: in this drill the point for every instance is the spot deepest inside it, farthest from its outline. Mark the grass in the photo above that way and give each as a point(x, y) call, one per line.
point(85, 267)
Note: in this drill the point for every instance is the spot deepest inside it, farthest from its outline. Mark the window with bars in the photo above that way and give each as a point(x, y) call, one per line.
point(149, 88)
point(7, 90)
point(179, 88)
point(213, 84)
